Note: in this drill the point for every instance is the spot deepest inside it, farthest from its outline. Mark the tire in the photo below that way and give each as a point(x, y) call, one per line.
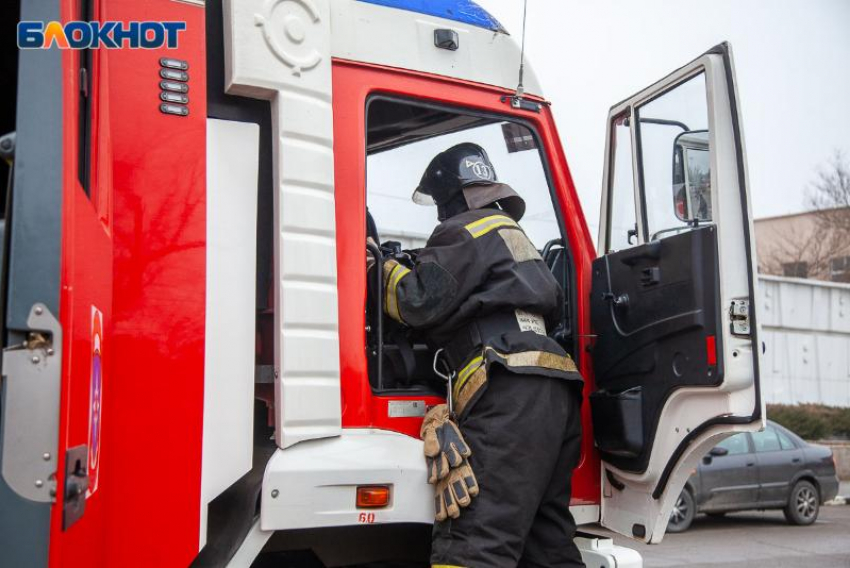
point(683, 513)
point(803, 504)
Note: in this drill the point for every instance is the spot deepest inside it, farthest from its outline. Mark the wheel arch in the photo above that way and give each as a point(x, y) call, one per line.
point(806, 475)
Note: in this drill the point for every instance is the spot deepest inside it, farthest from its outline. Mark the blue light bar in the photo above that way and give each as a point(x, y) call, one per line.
point(464, 11)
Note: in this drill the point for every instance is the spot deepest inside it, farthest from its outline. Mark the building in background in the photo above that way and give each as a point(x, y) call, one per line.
point(805, 245)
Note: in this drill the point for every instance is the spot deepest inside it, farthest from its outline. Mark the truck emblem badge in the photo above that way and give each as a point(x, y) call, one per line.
point(285, 41)
point(95, 397)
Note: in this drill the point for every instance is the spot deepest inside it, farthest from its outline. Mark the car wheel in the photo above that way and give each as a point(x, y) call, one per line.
point(683, 513)
point(803, 504)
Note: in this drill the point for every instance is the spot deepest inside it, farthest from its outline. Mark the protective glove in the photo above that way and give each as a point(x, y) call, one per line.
point(370, 256)
point(444, 446)
point(455, 492)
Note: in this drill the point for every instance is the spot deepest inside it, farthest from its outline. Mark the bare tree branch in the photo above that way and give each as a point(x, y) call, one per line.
point(828, 197)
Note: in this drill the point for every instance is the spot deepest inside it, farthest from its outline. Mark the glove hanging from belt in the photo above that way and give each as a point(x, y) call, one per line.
point(444, 447)
point(455, 491)
point(446, 454)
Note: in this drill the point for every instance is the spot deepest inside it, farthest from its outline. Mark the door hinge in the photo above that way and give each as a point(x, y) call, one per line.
point(76, 485)
point(739, 314)
point(30, 418)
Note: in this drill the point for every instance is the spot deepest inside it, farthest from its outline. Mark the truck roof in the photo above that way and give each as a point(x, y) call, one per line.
point(400, 33)
point(457, 10)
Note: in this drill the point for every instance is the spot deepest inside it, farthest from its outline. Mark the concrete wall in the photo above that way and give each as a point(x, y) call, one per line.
point(841, 451)
point(806, 331)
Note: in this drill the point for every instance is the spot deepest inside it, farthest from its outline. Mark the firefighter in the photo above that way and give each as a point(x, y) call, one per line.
point(480, 291)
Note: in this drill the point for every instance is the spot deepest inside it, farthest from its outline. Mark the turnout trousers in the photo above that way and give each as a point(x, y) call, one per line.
point(525, 436)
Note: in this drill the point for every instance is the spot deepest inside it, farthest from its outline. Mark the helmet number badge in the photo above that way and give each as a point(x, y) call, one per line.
point(479, 169)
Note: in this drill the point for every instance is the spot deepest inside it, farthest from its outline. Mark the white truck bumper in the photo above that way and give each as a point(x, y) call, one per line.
point(314, 483)
point(601, 552)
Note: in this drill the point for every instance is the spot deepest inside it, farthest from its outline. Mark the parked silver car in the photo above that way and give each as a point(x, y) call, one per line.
point(773, 469)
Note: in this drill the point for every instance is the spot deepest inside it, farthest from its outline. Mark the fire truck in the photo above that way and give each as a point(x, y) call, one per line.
point(195, 370)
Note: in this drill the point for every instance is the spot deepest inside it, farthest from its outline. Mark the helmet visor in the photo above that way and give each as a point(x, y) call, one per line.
point(422, 196)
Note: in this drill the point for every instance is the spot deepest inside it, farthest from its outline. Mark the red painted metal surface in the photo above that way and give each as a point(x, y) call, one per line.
point(143, 231)
point(352, 84)
point(86, 282)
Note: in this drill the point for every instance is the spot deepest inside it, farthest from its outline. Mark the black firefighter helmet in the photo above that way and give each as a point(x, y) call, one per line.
point(463, 178)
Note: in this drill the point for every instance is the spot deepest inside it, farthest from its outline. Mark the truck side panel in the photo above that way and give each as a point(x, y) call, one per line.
point(146, 508)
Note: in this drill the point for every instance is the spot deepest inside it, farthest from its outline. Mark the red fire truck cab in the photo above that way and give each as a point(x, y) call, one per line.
point(195, 369)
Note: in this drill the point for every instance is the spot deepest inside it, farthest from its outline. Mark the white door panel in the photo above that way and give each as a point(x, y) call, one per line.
point(676, 365)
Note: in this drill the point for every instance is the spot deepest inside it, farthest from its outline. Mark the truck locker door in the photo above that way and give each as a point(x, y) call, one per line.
point(675, 357)
point(57, 296)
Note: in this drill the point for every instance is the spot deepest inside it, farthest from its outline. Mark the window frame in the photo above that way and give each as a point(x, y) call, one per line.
point(85, 104)
point(572, 300)
point(796, 265)
point(612, 159)
point(839, 272)
point(637, 154)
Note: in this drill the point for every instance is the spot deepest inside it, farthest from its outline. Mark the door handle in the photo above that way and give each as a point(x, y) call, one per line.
point(650, 276)
point(620, 302)
point(795, 460)
point(751, 464)
point(649, 251)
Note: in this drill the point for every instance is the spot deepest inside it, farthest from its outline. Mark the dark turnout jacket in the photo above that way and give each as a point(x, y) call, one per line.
point(480, 290)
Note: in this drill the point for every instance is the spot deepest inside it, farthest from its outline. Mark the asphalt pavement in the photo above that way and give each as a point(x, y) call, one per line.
point(754, 539)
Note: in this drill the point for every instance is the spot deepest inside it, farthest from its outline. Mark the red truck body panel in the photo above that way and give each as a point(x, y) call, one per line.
point(151, 168)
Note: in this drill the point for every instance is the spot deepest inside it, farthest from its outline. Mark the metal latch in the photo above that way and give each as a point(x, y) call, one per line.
point(76, 484)
point(739, 313)
point(30, 416)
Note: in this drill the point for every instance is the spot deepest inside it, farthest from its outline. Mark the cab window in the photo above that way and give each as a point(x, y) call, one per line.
point(393, 172)
point(402, 138)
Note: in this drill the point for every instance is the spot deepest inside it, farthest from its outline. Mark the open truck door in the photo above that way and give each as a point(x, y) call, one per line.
point(676, 357)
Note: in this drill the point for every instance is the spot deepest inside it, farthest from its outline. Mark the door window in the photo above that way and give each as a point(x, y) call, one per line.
point(736, 444)
point(622, 229)
point(674, 159)
point(784, 441)
point(766, 440)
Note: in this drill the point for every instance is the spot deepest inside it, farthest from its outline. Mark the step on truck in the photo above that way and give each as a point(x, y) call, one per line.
point(195, 368)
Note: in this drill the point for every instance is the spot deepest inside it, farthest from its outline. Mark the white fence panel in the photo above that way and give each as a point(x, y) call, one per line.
point(806, 331)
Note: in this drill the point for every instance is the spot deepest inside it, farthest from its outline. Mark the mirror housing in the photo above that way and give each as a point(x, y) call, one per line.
point(692, 176)
point(717, 451)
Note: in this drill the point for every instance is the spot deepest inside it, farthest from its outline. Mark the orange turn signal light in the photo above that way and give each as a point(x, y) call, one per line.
point(373, 496)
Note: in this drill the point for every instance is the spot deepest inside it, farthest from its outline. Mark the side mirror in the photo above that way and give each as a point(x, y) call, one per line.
point(717, 451)
point(692, 176)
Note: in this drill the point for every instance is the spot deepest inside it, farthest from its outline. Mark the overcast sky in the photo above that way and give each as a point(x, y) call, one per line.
point(793, 67)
